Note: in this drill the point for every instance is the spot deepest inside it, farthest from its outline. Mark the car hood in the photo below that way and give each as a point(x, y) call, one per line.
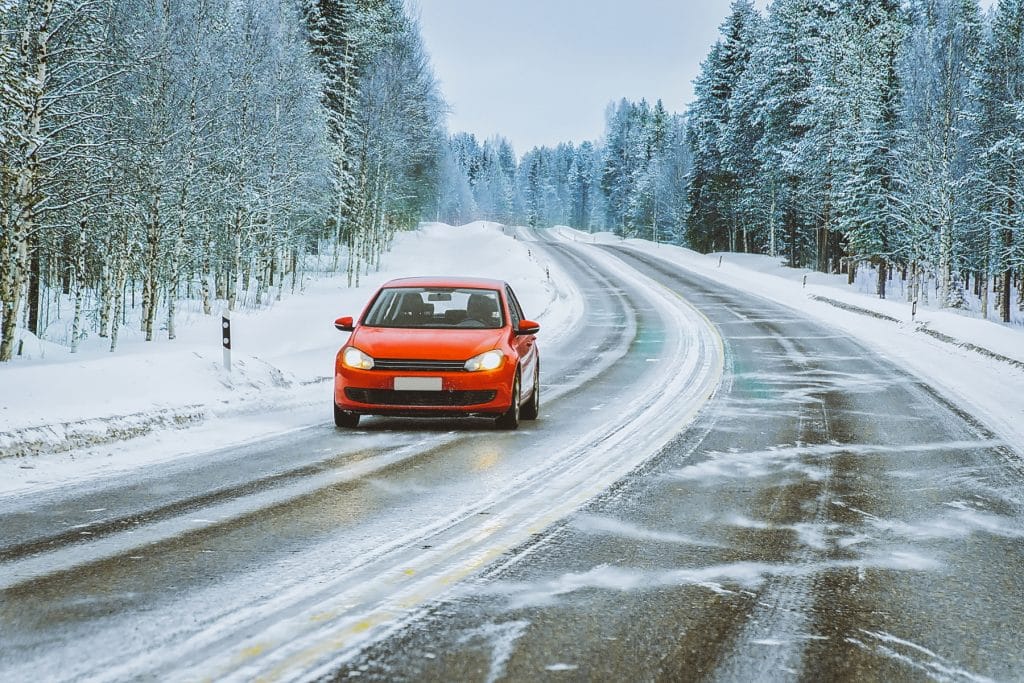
point(410, 344)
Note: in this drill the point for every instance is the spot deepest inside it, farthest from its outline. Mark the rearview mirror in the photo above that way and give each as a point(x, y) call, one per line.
point(528, 327)
point(345, 324)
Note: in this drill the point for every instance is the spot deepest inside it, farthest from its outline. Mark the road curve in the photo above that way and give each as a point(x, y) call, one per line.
point(283, 558)
point(827, 517)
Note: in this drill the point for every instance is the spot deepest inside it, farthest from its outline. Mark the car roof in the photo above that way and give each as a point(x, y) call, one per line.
point(447, 281)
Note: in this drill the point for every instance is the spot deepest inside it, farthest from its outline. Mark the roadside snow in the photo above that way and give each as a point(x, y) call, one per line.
point(283, 355)
point(989, 389)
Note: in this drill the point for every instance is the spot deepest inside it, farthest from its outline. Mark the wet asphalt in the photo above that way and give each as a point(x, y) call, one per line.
point(826, 517)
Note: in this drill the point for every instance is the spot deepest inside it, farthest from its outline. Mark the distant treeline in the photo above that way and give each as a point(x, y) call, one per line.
point(633, 181)
point(200, 148)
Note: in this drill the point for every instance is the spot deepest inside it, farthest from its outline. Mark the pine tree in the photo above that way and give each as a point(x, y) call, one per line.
point(1000, 135)
point(868, 201)
point(935, 151)
point(772, 93)
point(619, 162)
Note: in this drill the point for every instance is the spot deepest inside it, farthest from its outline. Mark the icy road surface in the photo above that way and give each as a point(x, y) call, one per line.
point(279, 557)
point(828, 517)
point(717, 489)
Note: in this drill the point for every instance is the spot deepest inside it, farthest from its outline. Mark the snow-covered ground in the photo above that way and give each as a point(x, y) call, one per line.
point(282, 358)
point(989, 388)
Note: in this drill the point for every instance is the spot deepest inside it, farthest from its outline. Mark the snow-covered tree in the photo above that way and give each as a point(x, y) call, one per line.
point(999, 124)
point(867, 204)
point(720, 139)
point(152, 151)
point(935, 154)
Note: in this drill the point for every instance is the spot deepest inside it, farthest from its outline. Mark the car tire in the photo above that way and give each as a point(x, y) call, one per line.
point(510, 419)
point(345, 419)
point(531, 409)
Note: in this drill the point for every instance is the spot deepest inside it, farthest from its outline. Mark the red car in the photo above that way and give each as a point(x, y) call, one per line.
point(439, 347)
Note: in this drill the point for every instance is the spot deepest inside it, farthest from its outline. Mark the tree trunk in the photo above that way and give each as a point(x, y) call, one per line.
point(354, 236)
point(234, 291)
point(205, 275)
point(121, 274)
point(35, 49)
point(32, 300)
point(1020, 290)
point(295, 267)
point(76, 288)
point(14, 282)
point(822, 249)
point(882, 277)
point(984, 296)
point(106, 298)
point(150, 280)
point(945, 262)
point(175, 266)
point(1007, 280)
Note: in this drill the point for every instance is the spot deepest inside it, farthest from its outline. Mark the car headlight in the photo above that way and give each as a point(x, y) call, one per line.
point(489, 360)
point(354, 358)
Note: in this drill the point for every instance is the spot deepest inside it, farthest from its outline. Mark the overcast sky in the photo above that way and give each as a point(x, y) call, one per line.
point(541, 72)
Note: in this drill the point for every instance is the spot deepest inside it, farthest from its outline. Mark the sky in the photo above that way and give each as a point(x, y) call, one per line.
point(541, 72)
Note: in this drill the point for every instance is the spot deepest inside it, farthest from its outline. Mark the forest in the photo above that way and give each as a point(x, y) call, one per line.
point(867, 131)
point(836, 134)
point(153, 152)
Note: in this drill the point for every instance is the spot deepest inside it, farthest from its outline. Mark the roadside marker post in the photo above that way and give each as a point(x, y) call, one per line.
point(226, 338)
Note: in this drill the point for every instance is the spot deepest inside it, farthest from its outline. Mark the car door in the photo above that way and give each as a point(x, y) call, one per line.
point(525, 344)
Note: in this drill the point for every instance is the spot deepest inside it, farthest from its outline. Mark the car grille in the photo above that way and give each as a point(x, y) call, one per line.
point(419, 365)
point(388, 397)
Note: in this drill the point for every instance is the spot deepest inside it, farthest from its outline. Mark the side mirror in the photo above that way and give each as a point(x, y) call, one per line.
point(528, 327)
point(345, 324)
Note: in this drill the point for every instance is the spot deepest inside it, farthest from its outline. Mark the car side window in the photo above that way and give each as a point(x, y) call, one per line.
point(514, 307)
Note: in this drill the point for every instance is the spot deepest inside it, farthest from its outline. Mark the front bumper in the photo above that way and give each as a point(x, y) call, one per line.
point(372, 392)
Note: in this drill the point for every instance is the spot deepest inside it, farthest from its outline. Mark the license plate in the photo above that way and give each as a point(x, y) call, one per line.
point(418, 384)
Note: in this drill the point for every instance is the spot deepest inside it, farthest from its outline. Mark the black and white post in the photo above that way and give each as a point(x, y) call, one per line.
point(226, 338)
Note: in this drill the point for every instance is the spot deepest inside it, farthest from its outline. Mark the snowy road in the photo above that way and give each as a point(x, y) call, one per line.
point(283, 556)
point(827, 518)
point(823, 516)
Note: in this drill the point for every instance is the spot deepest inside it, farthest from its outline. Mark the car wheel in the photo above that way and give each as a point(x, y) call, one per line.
point(510, 420)
point(531, 409)
point(345, 419)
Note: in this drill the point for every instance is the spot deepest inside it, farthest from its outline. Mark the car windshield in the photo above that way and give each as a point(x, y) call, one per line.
point(436, 307)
